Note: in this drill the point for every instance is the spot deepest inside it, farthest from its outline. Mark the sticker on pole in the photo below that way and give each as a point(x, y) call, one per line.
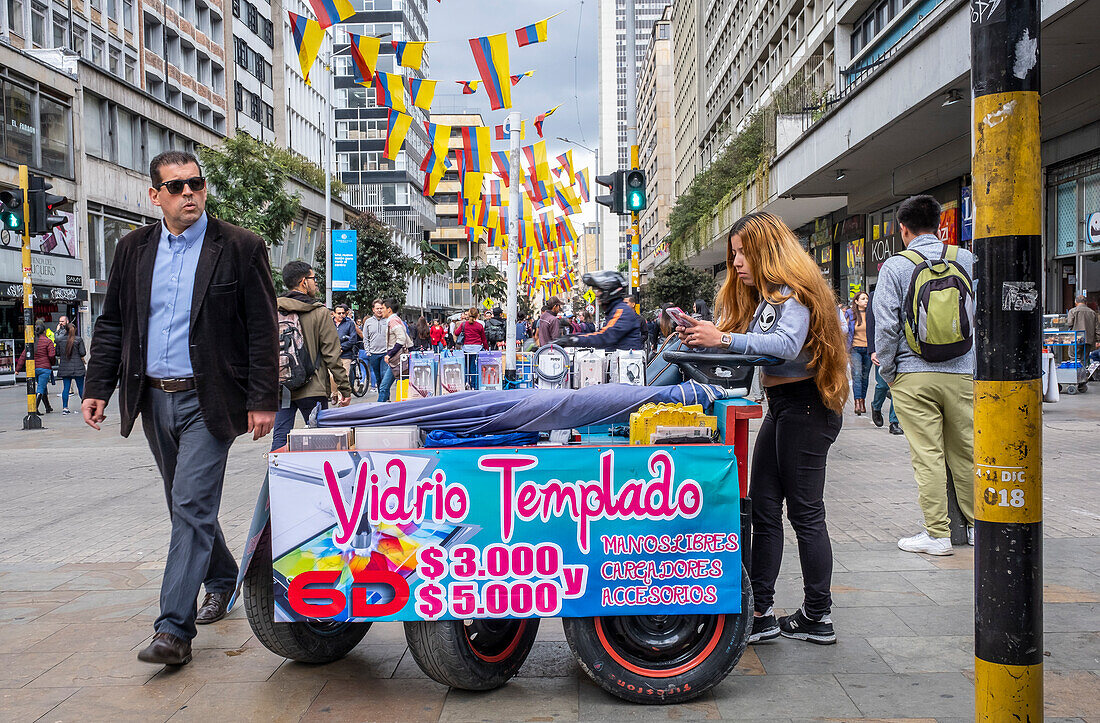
point(1019, 296)
point(510, 533)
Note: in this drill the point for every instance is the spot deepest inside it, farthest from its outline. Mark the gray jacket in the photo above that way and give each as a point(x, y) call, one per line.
point(374, 335)
point(894, 355)
point(70, 366)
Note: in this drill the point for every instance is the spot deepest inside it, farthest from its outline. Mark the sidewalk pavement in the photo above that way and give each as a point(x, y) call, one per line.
point(84, 533)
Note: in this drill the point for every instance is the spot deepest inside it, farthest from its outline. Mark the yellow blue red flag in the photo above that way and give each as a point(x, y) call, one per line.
point(307, 36)
point(491, 55)
point(399, 125)
point(541, 118)
point(439, 136)
point(536, 161)
point(330, 12)
point(469, 87)
point(582, 182)
point(409, 53)
point(364, 57)
point(477, 148)
point(390, 91)
point(535, 32)
point(517, 78)
point(422, 92)
point(565, 165)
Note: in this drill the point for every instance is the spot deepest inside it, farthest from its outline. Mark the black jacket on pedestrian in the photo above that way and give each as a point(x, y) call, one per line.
point(69, 365)
point(622, 330)
point(233, 337)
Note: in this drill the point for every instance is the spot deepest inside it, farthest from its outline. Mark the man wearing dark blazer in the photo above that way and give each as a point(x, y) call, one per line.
point(188, 334)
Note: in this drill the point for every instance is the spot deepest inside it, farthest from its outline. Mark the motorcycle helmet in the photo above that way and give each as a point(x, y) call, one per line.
point(611, 284)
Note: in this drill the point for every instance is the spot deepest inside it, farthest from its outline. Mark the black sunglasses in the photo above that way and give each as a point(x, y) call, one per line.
point(175, 186)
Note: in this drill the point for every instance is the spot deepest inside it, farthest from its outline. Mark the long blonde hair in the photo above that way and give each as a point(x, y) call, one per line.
point(777, 260)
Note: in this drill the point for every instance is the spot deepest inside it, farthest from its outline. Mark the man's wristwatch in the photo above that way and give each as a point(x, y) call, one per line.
point(727, 339)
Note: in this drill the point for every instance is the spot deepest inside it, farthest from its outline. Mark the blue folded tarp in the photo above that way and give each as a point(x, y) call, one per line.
point(519, 410)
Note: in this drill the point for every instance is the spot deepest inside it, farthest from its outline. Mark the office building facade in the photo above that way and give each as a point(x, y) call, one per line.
point(656, 141)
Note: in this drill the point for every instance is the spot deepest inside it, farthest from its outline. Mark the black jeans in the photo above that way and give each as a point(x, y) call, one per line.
point(284, 418)
point(192, 463)
point(788, 464)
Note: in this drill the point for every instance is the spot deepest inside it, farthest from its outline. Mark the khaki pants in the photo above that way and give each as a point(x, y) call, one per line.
point(937, 412)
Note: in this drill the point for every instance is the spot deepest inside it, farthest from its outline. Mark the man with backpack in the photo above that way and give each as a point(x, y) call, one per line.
point(309, 350)
point(495, 331)
point(924, 340)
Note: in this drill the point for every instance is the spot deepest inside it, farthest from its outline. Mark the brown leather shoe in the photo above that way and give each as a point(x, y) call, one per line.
point(214, 607)
point(167, 649)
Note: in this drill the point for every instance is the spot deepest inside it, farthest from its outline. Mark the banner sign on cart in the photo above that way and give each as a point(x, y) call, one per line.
point(530, 532)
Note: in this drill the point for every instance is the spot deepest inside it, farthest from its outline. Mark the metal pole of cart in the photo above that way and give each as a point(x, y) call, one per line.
point(513, 249)
point(1008, 414)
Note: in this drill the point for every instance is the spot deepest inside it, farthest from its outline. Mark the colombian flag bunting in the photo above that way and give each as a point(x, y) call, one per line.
point(477, 149)
point(503, 132)
point(541, 118)
point(582, 181)
point(471, 186)
point(566, 230)
point(390, 91)
point(536, 161)
point(491, 56)
point(503, 165)
point(534, 33)
point(517, 78)
point(364, 57)
point(502, 219)
point(565, 165)
point(469, 87)
point(399, 125)
point(494, 193)
point(330, 12)
point(409, 53)
point(567, 200)
point(422, 92)
point(438, 137)
point(307, 41)
point(432, 177)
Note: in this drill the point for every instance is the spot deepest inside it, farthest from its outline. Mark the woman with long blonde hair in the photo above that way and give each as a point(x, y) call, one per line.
point(775, 302)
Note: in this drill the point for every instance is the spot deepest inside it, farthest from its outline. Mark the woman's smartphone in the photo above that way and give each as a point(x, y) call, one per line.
point(679, 316)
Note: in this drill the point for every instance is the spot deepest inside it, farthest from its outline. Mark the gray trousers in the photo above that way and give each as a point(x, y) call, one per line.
point(192, 462)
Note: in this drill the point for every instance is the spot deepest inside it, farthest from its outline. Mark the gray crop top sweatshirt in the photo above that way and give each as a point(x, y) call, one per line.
point(778, 330)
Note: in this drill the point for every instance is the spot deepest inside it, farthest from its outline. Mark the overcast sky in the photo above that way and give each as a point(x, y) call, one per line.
point(565, 67)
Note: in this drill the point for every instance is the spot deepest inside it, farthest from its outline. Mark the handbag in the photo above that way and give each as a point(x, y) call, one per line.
point(460, 334)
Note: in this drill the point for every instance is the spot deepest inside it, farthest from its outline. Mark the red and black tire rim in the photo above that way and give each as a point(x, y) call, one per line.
point(494, 640)
point(659, 646)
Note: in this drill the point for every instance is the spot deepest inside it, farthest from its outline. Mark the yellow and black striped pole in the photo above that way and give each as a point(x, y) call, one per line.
point(1008, 414)
point(33, 420)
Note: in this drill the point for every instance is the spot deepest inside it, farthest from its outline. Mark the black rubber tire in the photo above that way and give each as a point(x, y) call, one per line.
point(584, 636)
point(1083, 387)
point(446, 654)
point(359, 385)
point(305, 642)
point(1069, 389)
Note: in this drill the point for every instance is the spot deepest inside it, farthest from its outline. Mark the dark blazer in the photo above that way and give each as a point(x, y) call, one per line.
point(234, 333)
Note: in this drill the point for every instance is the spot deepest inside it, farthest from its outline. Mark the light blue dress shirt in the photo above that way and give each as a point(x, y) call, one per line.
point(168, 355)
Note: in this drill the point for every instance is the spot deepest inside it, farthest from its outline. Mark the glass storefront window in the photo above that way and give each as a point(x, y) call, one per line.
point(56, 141)
point(19, 126)
point(1065, 219)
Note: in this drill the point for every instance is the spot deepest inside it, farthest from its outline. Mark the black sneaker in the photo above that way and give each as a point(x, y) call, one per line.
point(876, 416)
point(764, 628)
point(800, 627)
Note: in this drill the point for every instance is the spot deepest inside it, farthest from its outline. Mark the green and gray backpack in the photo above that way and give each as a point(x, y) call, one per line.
point(939, 307)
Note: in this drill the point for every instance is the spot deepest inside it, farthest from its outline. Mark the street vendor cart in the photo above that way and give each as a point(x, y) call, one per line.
point(637, 547)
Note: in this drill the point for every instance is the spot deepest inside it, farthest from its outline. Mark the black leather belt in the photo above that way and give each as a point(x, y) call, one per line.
point(185, 384)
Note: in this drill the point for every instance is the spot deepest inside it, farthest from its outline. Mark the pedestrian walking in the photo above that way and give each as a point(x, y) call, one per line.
point(438, 335)
point(1082, 318)
point(882, 389)
point(423, 335)
point(470, 334)
point(549, 327)
point(397, 341)
point(349, 334)
point(931, 377)
point(321, 351)
point(45, 354)
point(701, 310)
point(495, 330)
point(859, 350)
point(188, 334)
point(774, 301)
point(70, 363)
point(374, 338)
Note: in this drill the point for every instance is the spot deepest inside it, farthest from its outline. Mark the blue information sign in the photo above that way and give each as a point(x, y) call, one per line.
point(344, 245)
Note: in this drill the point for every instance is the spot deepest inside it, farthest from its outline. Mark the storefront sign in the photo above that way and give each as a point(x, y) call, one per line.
point(949, 226)
point(967, 215)
point(530, 532)
point(345, 244)
point(1092, 229)
point(42, 293)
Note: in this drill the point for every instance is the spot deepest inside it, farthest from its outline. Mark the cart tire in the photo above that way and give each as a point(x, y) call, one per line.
point(624, 656)
point(471, 654)
point(312, 642)
point(1083, 388)
point(1069, 389)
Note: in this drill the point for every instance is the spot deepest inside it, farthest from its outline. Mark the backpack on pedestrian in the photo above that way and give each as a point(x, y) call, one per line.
point(495, 333)
point(939, 307)
point(295, 366)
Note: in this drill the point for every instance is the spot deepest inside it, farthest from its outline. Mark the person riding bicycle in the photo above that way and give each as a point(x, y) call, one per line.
point(623, 328)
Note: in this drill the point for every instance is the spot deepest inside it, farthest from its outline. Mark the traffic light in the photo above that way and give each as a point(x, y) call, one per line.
point(11, 210)
point(634, 188)
point(614, 183)
point(42, 216)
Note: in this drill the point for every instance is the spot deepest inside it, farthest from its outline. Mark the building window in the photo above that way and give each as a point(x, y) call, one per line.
point(55, 137)
point(237, 8)
point(38, 24)
point(15, 17)
point(60, 31)
point(238, 96)
point(269, 117)
point(131, 70)
point(114, 55)
point(19, 129)
point(241, 51)
point(128, 14)
point(97, 51)
point(269, 33)
point(80, 41)
point(256, 111)
point(253, 20)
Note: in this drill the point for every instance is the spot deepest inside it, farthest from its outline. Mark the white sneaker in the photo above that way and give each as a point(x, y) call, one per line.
point(927, 544)
point(970, 536)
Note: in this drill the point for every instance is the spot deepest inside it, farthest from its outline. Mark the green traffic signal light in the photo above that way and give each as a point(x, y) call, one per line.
point(635, 191)
point(11, 210)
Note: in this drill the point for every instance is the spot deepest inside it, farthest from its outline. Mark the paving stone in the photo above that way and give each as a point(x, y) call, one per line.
point(1070, 585)
point(32, 580)
point(104, 606)
point(385, 633)
point(549, 660)
point(942, 619)
point(95, 669)
point(17, 637)
point(596, 704)
point(550, 631)
point(883, 561)
point(1070, 693)
point(849, 655)
point(27, 704)
point(749, 664)
point(281, 702)
point(94, 637)
point(380, 701)
point(875, 589)
point(944, 587)
point(802, 696)
point(926, 654)
point(863, 622)
point(1072, 651)
point(119, 579)
point(1071, 617)
point(521, 699)
point(18, 669)
point(226, 634)
point(364, 661)
point(932, 695)
point(20, 607)
point(123, 703)
point(247, 664)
